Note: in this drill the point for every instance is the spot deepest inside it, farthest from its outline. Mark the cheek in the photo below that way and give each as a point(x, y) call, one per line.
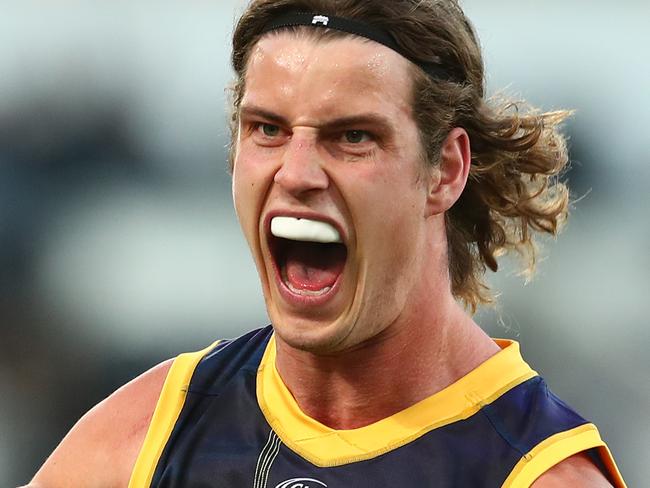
point(249, 187)
point(390, 205)
point(389, 215)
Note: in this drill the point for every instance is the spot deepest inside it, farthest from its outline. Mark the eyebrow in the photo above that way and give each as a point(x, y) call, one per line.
point(376, 120)
point(252, 111)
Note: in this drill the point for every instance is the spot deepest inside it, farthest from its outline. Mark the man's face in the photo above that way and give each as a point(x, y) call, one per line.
point(325, 184)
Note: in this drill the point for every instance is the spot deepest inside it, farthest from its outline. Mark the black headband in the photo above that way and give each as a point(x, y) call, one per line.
point(355, 27)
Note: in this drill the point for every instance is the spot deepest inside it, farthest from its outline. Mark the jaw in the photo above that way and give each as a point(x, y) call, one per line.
point(371, 296)
point(368, 298)
point(321, 324)
point(354, 327)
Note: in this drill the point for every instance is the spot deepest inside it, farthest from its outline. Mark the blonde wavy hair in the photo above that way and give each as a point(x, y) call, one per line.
point(518, 153)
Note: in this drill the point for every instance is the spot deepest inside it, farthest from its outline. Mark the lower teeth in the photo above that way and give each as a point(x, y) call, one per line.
point(308, 293)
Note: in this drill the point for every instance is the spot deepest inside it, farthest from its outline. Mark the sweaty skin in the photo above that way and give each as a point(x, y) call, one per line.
point(327, 133)
point(393, 312)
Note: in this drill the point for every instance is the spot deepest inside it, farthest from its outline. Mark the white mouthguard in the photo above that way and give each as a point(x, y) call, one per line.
point(304, 230)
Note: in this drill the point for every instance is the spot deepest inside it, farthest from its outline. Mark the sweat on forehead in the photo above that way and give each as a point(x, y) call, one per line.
point(369, 54)
point(287, 67)
point(317, 37)
point(359, 28)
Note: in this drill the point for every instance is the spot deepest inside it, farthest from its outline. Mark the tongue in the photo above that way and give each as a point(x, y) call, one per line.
point(313, 266)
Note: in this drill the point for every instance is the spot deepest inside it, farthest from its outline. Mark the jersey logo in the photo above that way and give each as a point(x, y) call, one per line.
point(320, 19)
point(301, 483)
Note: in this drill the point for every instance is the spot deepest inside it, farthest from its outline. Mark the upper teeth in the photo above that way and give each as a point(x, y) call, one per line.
point(304, 230)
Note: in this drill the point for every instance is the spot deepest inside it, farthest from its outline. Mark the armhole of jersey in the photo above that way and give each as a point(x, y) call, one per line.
point(557, 448)
point(168, 408)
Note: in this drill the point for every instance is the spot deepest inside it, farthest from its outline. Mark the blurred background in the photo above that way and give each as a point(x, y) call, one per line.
point(119, 246)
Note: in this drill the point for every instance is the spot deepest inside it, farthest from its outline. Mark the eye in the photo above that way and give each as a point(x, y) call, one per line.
point(269, 130)
point(266, 134)
point(356, 136)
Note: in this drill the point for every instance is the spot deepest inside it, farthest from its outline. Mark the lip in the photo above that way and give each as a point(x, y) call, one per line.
point(291, 298)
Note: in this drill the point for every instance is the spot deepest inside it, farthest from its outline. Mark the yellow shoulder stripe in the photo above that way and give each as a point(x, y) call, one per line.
point(555, 449)
point(168, 408)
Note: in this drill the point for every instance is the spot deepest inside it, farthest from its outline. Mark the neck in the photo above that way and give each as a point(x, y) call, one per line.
point(409, 361)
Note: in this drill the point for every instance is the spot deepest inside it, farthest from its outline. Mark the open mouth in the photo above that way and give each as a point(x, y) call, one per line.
point(309, 255)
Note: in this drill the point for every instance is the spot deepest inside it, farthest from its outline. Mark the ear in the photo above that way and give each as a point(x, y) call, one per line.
point(448, 181)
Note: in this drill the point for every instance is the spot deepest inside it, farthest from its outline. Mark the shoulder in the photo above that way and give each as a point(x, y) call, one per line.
point(104, 444)
point(577, 471)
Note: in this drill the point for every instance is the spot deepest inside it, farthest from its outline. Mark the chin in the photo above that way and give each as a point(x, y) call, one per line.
point(315, 336)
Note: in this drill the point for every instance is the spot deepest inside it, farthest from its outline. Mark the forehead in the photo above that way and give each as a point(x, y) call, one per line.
point(300, 72)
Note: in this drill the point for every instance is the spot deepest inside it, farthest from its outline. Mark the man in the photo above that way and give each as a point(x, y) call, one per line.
point(374, 185)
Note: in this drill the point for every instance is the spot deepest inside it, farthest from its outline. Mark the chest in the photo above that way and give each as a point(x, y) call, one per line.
point(225, 441)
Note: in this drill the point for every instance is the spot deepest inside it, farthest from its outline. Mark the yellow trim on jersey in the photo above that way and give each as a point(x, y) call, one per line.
point(326, 447)
point(168, 408)
point(557, 448)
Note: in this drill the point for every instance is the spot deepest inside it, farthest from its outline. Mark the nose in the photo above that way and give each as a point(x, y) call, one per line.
point(301, 170)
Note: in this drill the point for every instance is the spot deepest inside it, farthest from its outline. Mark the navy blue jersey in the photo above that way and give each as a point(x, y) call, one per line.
point(226, 420)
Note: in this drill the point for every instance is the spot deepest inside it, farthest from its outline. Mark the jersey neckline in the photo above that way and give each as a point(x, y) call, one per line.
point(325, 447)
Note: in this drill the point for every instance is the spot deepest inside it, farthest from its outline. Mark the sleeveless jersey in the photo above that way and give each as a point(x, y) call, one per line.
point(225, 419)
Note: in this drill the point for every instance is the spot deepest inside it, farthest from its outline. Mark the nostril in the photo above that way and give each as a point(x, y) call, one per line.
point(298, 176)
